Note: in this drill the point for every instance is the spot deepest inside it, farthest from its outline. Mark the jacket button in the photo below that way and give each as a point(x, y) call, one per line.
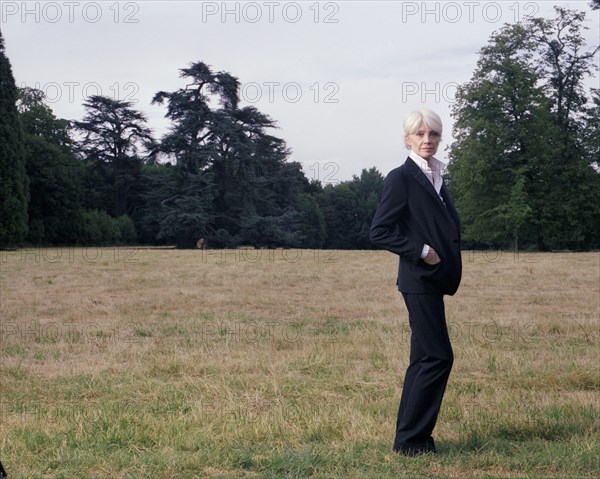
point(455, 241)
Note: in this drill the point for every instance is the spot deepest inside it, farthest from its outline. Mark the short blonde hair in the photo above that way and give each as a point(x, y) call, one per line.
point(416, 118)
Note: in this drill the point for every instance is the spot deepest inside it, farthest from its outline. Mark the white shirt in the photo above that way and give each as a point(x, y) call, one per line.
point(433, 174)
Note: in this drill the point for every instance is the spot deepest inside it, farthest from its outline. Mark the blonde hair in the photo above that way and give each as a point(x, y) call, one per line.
point(416, 118)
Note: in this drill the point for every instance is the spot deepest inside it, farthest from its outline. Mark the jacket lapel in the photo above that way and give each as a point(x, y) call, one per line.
point(448, 207)
point(424, 181)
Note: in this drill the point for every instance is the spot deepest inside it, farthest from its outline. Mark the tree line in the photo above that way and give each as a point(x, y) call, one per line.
point(523, 170)
point(217, 174)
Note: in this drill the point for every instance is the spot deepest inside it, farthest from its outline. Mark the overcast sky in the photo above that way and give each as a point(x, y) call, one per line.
point(338, 77)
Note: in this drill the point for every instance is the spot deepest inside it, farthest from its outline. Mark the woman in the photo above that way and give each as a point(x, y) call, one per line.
point(416, 219)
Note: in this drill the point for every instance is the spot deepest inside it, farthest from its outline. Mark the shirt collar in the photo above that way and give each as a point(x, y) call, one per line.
point(422, 162)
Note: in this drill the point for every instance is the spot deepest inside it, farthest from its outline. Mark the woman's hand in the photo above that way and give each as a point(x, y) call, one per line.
point(432, 257)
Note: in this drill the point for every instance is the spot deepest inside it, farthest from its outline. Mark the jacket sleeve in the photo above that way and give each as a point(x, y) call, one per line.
point(385, 231)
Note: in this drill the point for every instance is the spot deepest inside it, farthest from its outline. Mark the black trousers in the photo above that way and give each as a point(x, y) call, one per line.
point(431, 360)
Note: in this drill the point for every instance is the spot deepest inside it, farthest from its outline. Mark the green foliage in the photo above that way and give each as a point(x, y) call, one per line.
point(591, 141)
point(512, 215)
point(523, 171)
point(313, 221)
point(127, 231)
point(100, 229)
point(14, 187)
point(158, 183)
point(271, 231)
point(591, 146)
point(348, 209)
point(501, 120)
point(569, 213)
point(248, 193)
point(226, 179)
point(55, 189)
point(518, 173)
point(55, 174)
point(185, 215)
point(114, 134)
point(564, 63)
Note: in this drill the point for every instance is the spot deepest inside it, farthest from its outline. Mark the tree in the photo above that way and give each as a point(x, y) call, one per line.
point(567, 213)
point(186, 214)
point(591, 147)
point(518, 139)
point(158, 183)
point(564, 65)
point(213, 140)
point(192, 143)
point(54, 172)
point(313, 221)
point(591, 122)
point(14, 186)
point(113, 136)
point(368, 188)
point(501, 119)
point(348, 209)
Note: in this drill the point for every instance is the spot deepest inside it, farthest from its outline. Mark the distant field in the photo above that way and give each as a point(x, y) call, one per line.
point(156, 363)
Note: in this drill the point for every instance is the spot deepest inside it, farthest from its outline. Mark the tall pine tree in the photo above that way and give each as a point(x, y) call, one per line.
point(236, 186)
point(14, 185)
point(114, 133)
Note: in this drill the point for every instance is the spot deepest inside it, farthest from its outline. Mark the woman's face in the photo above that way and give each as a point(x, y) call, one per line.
point(424, 142)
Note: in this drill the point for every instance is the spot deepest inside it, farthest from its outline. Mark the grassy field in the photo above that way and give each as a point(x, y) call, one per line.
point(156, 363)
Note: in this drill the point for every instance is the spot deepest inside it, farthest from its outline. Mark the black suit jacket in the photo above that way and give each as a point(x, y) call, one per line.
point(410, 214)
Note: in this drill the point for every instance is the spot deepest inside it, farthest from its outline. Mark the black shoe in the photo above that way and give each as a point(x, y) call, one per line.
point(414, 451)
point(425, 447)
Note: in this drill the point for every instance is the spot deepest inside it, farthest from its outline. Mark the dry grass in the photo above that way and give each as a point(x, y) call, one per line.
point(288, 363)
